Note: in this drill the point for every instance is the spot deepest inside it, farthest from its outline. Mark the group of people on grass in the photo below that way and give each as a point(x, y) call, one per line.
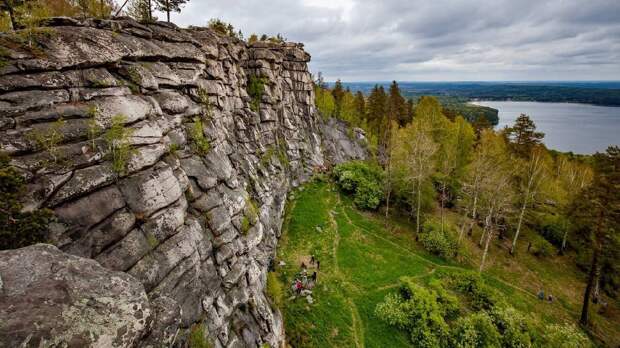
point(302, 281)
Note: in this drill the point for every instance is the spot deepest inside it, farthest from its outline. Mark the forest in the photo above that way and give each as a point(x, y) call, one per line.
point(450, 176)
point(596, 93)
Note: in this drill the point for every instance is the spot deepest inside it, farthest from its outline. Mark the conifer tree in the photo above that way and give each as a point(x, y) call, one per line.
point(523, 136)
point(360, 105)
point(169, 6)
point(338, 93)
point(597, 210)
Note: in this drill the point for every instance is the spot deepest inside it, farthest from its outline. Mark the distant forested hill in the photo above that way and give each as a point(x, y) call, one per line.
point(605, 93)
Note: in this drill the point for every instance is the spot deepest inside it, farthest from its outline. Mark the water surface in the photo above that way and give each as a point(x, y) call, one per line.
point(580, 128)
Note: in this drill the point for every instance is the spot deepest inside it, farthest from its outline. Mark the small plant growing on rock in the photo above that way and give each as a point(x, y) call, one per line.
point(200, 143)
point(197, 337)
point(94, 129)
point(17, 228)
point(256, 88)
point(118, 142)
point(275, 289)
point(49, 139)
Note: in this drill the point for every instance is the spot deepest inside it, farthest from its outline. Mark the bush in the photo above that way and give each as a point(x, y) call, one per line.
point(542, 248)
point(513, 327)
point(118, 142)
point(565, 336)
point(437, 242)
point(475, 330)
point(481, 296)
point(256, 89)
point(275, 290)
point(552, 228)
point(18, 229)
point(417, 310)
point(197, 337)
point(363, 180)
point(200, 143)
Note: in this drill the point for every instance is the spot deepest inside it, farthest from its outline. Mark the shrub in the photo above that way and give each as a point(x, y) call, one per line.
point(475, 330)
point(200, 143)
point(565, 336)
point(18, 229)
point(541, 247)
point(49, 139)
point(197, 337)
point(481, 296)
point(513, 327)
point(363, 180)
point(118, 142)
point(256, 89)
point(417, 310)
point(437, 242)
point(223, 28)
point(275, 290)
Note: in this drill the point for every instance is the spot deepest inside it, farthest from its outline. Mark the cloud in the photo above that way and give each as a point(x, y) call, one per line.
point(414, 40)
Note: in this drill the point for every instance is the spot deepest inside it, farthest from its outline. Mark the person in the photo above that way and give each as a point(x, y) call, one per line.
point(541, 295)
point(314, 276)
point(303, 265)
point(550, 298)
point(298, 286)
point(318, 264)
point(312, 259)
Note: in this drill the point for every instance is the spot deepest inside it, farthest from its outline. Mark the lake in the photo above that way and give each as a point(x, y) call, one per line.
point(580, 128)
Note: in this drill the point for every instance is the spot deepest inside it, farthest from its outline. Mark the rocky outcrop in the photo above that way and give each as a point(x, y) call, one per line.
point(185, 192)
point(78, 302)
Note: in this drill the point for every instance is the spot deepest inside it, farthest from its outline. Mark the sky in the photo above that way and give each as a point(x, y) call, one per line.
point(435, 40)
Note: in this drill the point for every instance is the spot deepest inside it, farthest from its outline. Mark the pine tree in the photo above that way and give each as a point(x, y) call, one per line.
point(397, 106)
point(360, 105)
point(338, 93)
point(597, 210)
point(523, 136)
point(169, 6)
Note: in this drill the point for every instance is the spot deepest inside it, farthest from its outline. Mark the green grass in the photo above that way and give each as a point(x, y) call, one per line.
point(362, 261)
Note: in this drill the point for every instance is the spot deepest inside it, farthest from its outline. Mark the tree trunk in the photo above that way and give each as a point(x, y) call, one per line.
point(168, 10)
point(443, 198)
point(592, 277)
point(563, 248)
point(591, 280)
point(11, 14)
point(150, 11)
point(514, 241)
point(419, 206)
point(487, 222)
point(486, 249)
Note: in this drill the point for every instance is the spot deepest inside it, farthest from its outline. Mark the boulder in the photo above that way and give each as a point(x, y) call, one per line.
point(49, 298)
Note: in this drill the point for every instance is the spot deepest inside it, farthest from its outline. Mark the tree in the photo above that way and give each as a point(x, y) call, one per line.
point(17, 227)
point(413, 152)
point(360, 105)
point(597, 210)
point(169, 6)
point(338, 93)
point(523, 136)
point(533, 172)
point(141, 10)
point(10, 7)
point(397, 105)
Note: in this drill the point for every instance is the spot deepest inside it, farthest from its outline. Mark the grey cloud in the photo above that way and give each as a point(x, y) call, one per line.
point(361, 40)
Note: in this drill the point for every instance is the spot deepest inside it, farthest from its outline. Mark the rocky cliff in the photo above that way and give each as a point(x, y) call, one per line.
point(164, 170)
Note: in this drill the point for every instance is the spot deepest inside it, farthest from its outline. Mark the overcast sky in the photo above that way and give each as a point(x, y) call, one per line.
point(436, 40)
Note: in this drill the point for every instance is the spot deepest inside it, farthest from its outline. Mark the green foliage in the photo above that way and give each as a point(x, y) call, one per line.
point(480, 295)
point(438, 242)
point(197, 337)
point(363, 180)
point(513, 327)
point(416, 310)
point(325, 102)
point(565, 336)
point(118, 141)
point(475, 331)
point(275, 290)
point(223, 28)
point(200, 143)
point(275, 151)
point(49, 139)
point(256, 89)
point(18, 229)
point(541, 247)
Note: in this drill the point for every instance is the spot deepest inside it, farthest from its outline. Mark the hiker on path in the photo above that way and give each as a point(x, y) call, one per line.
point(314, 276)
point(298, 286)
point(318, 264)
point(541, 295)
point(550, 298)
point(312, 259)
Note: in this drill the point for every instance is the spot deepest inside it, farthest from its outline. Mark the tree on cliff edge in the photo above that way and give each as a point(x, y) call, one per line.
point(169, 6)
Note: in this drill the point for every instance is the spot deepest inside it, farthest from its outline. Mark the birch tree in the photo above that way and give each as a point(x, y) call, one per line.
point(533, 172)
point(413, 153)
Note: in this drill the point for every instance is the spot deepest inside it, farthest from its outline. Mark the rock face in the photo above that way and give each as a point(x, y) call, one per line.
point(77, 301)
point(196, 225)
